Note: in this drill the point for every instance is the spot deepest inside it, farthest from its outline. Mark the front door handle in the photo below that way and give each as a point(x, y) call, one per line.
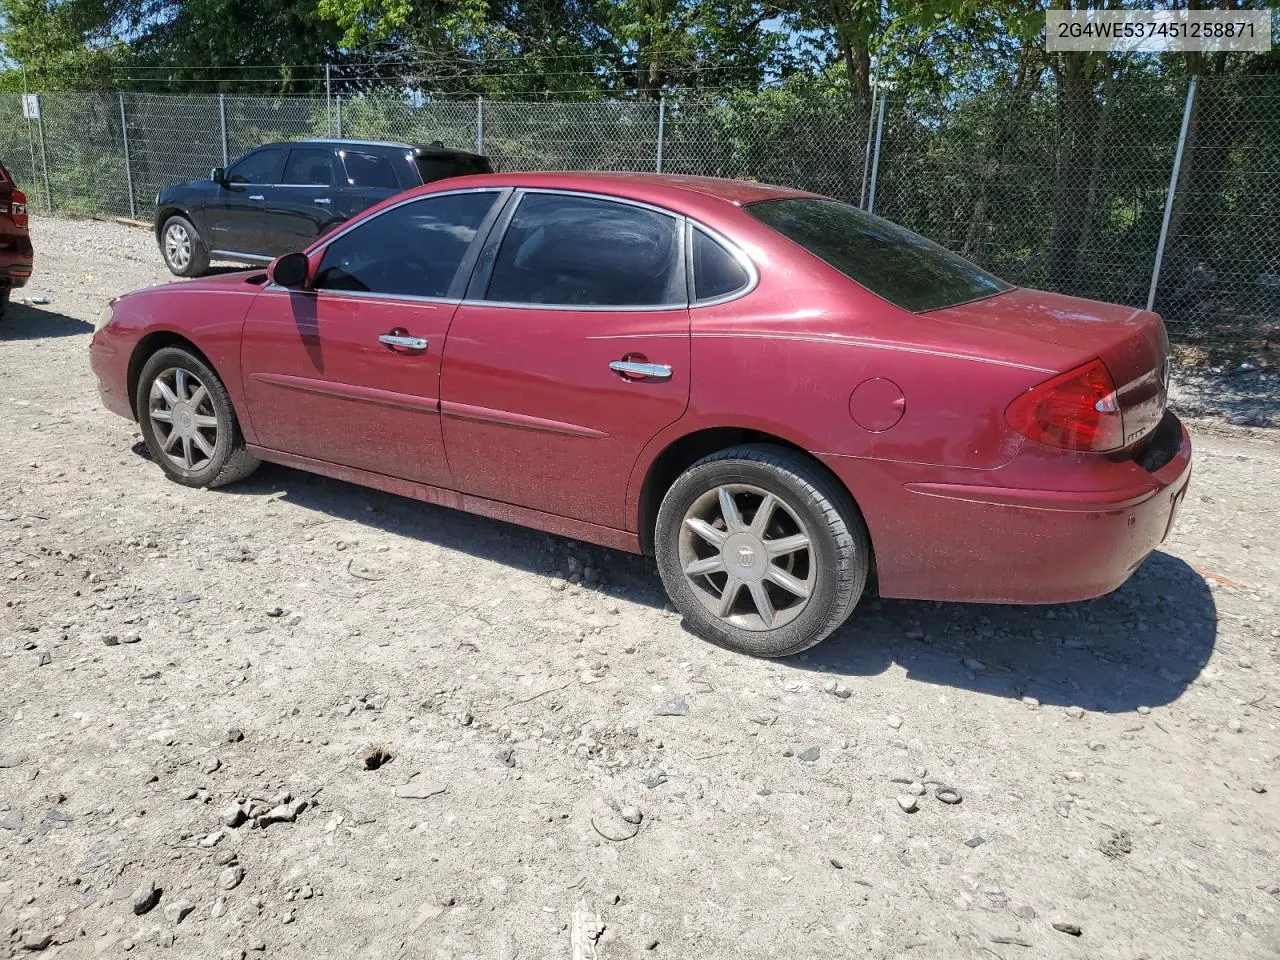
point(635, 370)
point(398, 342)
point(255, 196)
point(325, 200)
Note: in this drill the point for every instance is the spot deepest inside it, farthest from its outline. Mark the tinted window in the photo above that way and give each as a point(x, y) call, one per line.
point(368, 170)
point(715, 271)
point(890, 261)
point(583, 252)
point(260, 167)
point(438, 167)
point(414, 249)
point(309, 167)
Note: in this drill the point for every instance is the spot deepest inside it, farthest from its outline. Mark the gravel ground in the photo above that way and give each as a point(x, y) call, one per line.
point(298, 718)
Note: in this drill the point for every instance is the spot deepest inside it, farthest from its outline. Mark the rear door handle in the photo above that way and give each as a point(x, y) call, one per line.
point(324, 200)
point(398, 342)
point(255, 196)
point(634, 370)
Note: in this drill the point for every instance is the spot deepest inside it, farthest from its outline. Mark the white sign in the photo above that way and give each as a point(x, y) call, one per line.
point(1158, 31)
point(31, 106)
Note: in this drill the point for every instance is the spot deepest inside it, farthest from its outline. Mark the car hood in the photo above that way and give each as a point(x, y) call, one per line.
point(232, 280)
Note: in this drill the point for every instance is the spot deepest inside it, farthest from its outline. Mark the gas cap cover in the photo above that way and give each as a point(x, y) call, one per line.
point(877, 404)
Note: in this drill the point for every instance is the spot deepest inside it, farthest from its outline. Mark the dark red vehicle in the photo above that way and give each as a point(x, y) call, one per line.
point(774, 393)
point(16, 255)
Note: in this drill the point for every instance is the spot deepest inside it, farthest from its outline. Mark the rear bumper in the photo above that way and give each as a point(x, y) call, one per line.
point(939, 539)
point(16, 260)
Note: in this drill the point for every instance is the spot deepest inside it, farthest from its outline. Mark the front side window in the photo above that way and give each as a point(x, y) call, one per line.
point(414, 249)
point(716, 272)
point(260, 167)
point(586, 252)
point(309, 167)
point(369, 170)
point(892, 262)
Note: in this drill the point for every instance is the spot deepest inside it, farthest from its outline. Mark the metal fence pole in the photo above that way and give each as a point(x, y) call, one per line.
point(1173, 189)
point(866, 154)
point(338, 104)
point(479, 124)
point(662, 125)
point(328, 100)
point(222, 119)
point(875, 159)
point(44, 159)
point(128, 169)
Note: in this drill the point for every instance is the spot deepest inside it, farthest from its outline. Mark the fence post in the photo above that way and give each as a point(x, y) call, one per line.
point(875, 159)
point(128, 170)
point(1173, 189)
point(222, 120)
point(44, 159)
point(338, 104)
point(479, 124)
point(662, 125)
point(328, 100)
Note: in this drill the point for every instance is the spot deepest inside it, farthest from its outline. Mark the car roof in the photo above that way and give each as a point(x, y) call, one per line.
point(436, 149)
point(338, 142)
point(657, 188)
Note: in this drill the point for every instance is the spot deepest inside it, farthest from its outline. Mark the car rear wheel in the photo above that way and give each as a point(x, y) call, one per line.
point(761, 551)
point(188, 422)
point(184, 252)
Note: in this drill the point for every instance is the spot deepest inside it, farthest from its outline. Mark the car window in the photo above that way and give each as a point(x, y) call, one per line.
point(890, 261)
point(368, 170)
point(716, 272)
point(579, 251)
point(309, 166)
point(437, 167)
point(414, 249)
point(260, 167)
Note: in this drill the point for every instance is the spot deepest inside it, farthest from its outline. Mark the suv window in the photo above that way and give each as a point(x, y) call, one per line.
point(890, 261)
point(368, 170)
point(260, 167)
point(414, 249)
point(310, 167)
point(579, 251)
point(716, 272)
point(437, 167)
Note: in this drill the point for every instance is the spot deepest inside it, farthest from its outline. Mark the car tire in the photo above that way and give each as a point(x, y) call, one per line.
point(188, 423)
point(807, 561)
point(182, 247)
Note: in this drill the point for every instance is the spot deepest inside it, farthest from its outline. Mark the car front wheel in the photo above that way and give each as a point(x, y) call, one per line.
point(184, 251)
point(761, 550)
point(188, 422)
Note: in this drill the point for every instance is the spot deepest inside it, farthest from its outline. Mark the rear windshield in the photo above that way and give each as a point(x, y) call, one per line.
point(890, 261)
point(439, 167)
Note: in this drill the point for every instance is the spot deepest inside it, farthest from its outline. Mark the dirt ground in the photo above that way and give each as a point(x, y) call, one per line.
point(570, 773)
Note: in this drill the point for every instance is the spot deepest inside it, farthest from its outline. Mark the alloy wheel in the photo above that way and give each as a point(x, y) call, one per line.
point(183, 418)
point(177, 246)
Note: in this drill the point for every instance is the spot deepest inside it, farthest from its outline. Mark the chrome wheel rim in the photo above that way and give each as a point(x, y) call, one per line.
point(748, 557)
point(177, 245)
point(183, 418)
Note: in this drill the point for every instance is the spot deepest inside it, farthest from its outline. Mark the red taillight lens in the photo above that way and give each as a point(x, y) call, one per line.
point(18, 208)
point(1077, 410)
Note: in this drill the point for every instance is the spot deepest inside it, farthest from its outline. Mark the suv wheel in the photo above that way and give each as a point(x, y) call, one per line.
point(184, 252)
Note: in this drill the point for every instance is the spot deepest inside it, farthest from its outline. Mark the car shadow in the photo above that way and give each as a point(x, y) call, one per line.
point(24, 322)
point(1141, 645)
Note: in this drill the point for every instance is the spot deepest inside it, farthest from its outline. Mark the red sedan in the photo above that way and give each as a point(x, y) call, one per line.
point(774, 393)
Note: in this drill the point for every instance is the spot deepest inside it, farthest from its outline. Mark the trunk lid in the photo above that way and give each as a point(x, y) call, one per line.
point(1130, 341)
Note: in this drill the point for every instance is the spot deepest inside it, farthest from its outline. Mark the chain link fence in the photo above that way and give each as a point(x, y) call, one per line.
point(1042, 189)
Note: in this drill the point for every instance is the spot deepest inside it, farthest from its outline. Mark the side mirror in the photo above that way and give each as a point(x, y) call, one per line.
point(290, 271)
point(218, 176)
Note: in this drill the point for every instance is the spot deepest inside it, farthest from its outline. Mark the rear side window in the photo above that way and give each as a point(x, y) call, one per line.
point(433, 168)
point(890, 261)
point(586, 252)
point(716, 272)
point(261, 167)
point(368, 170)
point(310, 167)
point(414, 249)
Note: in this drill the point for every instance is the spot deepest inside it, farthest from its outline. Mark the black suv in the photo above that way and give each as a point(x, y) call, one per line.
point(278, 198)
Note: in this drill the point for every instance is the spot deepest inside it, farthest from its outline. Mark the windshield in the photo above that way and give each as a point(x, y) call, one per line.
point(890, 261)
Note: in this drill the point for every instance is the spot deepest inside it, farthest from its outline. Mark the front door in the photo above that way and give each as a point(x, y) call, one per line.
point(236, 213)
point(347, 371)
point(304, 203)
point(572, 353)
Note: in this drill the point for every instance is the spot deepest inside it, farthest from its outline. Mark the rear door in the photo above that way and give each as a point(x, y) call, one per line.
point(569, 355)
point(303, 205)
point(236, 214)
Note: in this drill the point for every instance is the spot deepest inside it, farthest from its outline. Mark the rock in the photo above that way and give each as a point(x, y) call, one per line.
point(375, 757)
point(233, 815)
point(219, 908)
point(420, 789)
point(894, 721)
point(677, 707)
point(1070, 929)
point(810, 755)
point(916, 788)
point(1031, 702)
point(110, 640)
point(46, 658)
point(1074, 776)
point(1144, 710)
point(8, 760)
point(908, 803)
point(1025, 912)
point(843, 692)
point(177, 911)
point(37, 940)
point(285, 813)
point(145, 897)
point(1097, 746)
point(830, 686)
point(507, 755)
point(631, 814)
point(1258, 787)
point(1075, 713)
point(1235, 726)
point(274, 612)
point(1117, 845)
point(11, 820)
point(655, 779)
point(130, 638)
point(651, 945)
point(235, 735)
point(231, 877)
point(975, 842)
point(257, 945)
point(211, 839)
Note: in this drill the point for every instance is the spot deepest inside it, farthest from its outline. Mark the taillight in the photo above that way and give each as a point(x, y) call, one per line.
point(1077, 410)
point(18, 208)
